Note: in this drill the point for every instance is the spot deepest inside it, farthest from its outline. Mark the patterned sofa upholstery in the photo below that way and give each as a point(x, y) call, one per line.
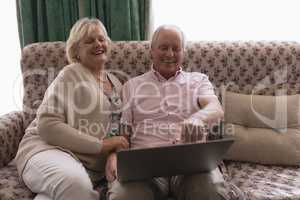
point(243, 63)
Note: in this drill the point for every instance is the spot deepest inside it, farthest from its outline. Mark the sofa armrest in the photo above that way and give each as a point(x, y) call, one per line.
point(11, 133)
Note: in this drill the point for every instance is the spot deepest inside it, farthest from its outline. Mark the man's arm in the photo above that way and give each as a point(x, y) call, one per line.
point(209, 115)
point(127, 115)
point(126, 131)
point(210, 109)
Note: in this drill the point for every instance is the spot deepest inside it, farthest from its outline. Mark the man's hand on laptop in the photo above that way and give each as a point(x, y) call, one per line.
point(193, 130)
point(111, 167)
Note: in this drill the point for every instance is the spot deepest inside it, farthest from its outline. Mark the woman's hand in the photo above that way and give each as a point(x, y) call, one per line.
point(111, 167)
point(114, 143)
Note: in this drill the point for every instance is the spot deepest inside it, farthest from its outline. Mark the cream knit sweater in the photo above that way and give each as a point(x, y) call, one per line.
point(73, 117)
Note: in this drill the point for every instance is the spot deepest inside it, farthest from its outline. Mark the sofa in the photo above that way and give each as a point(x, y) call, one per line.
point(239, 67)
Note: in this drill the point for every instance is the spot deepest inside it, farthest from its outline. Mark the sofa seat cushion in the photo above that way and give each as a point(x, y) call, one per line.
point(10, 185)
point(261, 182)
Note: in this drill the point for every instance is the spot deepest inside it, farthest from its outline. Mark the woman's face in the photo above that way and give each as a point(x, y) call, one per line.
point(92, 49)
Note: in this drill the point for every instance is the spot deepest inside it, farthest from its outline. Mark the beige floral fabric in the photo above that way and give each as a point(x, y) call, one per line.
point(244, 67)
point(261, 67)
point(40, 63)
point(11, 132)
point(262, 182)
point(10, 186)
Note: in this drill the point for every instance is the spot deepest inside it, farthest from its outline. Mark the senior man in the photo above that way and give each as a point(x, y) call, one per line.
point(157, 105)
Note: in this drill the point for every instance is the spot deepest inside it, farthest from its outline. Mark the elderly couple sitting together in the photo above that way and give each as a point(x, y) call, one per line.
point(84, 120)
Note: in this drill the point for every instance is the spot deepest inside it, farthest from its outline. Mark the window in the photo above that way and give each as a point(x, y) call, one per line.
point(10, 71)
point(231, 19)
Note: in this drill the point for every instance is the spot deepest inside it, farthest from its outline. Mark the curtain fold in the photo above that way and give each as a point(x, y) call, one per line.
point(123, 19)
point(45, 20)
point(51, 20)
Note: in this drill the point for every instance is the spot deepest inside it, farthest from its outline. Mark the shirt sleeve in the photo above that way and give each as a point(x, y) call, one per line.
point(127, 116)
point(204, 86)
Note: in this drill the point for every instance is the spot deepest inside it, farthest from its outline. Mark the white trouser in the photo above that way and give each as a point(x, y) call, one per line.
point(56, 175)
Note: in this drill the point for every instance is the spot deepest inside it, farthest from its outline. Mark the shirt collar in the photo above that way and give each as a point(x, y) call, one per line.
point(160, 78)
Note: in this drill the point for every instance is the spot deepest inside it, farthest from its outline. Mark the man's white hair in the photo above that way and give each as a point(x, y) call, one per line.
point(164, 27)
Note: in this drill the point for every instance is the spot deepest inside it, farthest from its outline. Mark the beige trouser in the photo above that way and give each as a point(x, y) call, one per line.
point(56, 175)
point(206, 186)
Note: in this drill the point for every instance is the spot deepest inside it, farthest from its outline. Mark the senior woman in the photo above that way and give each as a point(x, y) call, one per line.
point(63, 152)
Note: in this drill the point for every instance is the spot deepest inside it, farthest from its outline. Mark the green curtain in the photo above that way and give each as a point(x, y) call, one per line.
point(124, 19)
point(45, 20)
point(51, 20)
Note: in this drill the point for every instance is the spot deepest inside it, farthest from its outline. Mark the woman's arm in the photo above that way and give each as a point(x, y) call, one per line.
point(55, 117)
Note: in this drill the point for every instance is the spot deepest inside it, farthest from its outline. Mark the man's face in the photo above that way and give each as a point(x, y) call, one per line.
point(167, 52)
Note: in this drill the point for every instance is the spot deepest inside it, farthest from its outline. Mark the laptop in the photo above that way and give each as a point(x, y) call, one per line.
point(179, 159)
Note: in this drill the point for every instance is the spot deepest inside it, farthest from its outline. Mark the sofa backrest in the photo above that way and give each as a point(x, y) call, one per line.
point(244, 67)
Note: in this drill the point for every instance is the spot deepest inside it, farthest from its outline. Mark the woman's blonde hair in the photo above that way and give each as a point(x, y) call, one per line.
point(77, 33)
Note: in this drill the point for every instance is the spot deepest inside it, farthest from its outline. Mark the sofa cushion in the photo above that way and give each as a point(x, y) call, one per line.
point(11, 132)
point(10, 186)
point(265, 146)
point(257, 139)
point(261, 182)
point(260, 111)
